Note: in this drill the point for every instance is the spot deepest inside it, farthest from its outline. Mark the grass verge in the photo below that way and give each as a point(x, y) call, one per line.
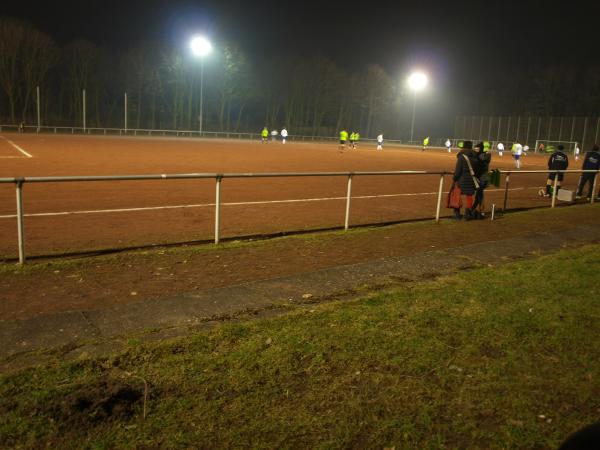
point(504, 357)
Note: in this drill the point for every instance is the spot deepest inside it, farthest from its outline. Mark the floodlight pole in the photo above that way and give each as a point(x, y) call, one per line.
point(38, 108)
point(201, 90)
point(125, 112)
point(412, 126)
point(84, 110)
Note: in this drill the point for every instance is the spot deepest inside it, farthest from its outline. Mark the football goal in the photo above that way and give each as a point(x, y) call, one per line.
point(544, 146)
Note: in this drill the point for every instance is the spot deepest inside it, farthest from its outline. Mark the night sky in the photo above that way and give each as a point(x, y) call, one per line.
point(449, 34)
point(458, 43)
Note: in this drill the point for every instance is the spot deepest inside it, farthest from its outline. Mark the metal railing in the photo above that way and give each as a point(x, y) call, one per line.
point(19, 182)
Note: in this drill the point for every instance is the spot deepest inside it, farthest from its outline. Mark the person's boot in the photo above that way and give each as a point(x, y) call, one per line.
point(457, 215)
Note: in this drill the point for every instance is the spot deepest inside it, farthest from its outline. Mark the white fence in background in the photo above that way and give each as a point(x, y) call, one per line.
point(434, 142)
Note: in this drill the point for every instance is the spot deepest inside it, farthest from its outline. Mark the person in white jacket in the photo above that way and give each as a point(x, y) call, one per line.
point(284, 135)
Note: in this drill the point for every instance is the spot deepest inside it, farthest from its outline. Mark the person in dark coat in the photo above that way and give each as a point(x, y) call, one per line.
point(465, 180)
point(557, 161)
point(591, 161)
point(482, 167)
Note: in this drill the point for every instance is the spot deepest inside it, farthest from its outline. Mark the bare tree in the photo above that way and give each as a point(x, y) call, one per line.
point(13, 34)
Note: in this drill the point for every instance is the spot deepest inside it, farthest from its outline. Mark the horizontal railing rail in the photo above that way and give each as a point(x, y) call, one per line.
point(218, 177)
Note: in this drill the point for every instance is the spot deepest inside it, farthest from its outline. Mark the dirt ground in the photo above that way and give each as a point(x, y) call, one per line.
point(98, 282)
point(83, 216)
point(103, 281)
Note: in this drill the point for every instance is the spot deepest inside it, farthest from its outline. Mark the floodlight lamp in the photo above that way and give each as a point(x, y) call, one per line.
point(417, 81)
point(200, 46)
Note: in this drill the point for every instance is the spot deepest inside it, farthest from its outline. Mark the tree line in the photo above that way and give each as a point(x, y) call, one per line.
point(311, 96)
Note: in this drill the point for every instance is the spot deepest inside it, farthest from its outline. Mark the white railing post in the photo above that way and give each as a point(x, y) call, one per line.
point(20, 224)
point(348, 200)
point(554, 189)
point(217, 208)
point(439, 200)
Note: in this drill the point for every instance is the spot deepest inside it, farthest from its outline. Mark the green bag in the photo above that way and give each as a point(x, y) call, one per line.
point(494, 177)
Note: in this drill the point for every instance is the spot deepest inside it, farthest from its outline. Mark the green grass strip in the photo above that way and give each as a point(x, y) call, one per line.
point(505, 357)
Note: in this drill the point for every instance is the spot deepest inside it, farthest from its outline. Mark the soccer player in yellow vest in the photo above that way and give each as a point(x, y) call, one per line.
point(356, 138)
point(264, 134)
point(425, 143)
point(343, 139)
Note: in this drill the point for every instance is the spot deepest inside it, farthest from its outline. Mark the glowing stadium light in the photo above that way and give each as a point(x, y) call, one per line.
point(200, 46)
point(417, 81)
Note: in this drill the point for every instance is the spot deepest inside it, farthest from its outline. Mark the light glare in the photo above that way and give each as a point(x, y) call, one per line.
point(200, 46)
point(417, 81)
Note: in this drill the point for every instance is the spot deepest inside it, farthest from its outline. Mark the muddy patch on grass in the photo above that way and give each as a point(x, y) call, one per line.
point(103, 401)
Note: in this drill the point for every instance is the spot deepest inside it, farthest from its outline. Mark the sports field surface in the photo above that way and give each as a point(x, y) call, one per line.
point(85, 216)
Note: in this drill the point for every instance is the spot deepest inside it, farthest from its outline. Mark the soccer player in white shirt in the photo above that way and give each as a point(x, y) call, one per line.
point(517, 152)
point(448, 145)
point(500, 148)
point(576, 151)
point(380, 142)
point(283, 135)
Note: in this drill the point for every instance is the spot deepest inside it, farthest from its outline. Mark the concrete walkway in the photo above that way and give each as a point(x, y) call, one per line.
point(100, 332)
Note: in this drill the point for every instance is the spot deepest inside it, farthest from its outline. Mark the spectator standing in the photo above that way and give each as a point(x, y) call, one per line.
point(558, 161)
point(464, 176)
point(484, 158)
point(591, 161)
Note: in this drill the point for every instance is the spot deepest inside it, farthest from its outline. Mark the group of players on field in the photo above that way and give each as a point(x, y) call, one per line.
point(472, 166)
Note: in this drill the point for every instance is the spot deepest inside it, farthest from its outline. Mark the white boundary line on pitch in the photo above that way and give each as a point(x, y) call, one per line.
point(17, 147)
point(206, 205)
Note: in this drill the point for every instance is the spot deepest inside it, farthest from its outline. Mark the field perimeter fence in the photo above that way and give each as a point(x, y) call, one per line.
point(434, 142)
point(218, 178)
point(527, 129)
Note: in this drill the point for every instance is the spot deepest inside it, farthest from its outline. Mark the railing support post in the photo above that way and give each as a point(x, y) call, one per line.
point(217, 208)
point(554, 189)
point(594, 188)
point(439, 200)
point(20, 224)
point(506, 181)
point(348, 199)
